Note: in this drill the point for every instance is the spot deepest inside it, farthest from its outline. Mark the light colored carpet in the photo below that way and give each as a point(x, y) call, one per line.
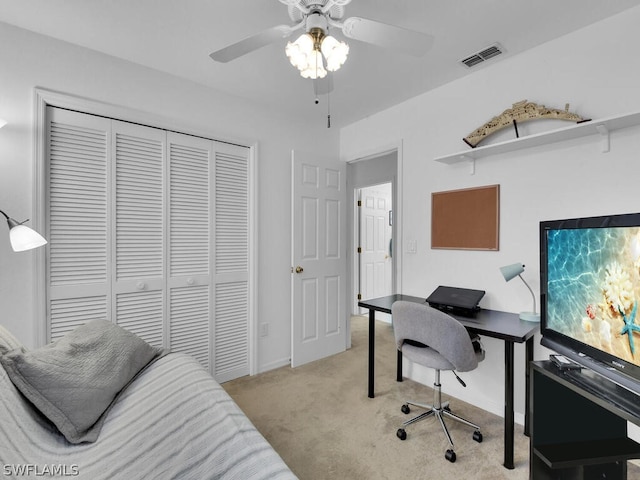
point(319, 419)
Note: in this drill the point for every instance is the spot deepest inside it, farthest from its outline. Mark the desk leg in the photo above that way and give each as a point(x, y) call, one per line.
point(528, 360)
point(508, 405)
point(399, 367)
point(372, 346)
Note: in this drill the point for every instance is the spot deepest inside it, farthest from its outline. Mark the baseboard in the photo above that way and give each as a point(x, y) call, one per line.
point(283, 362)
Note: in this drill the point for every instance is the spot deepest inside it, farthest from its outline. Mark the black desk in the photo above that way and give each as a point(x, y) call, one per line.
point(491, 323)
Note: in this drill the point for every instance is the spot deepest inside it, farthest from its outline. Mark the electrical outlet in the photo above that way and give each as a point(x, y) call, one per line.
point(264, 329)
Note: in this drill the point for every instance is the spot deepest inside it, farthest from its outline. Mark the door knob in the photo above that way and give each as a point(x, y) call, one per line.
point(299, 269)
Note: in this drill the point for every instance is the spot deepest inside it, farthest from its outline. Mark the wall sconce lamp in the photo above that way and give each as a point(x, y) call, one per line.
point(22, 237)
point(512, 271)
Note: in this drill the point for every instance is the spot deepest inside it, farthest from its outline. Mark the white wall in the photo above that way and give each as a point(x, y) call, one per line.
point(30, 60)
point(595, 71)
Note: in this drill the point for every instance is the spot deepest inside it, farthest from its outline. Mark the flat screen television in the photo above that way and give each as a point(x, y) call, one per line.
point(589, 293)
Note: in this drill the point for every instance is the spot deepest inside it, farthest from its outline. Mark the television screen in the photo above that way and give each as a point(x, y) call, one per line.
point(590, 287)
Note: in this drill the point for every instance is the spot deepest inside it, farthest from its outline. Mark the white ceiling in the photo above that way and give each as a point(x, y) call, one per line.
point(176, 36)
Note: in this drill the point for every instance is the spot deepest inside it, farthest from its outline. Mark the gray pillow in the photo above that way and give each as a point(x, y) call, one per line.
point(75, 380)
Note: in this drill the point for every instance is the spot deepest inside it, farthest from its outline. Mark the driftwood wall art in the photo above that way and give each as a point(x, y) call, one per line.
point(520, 112)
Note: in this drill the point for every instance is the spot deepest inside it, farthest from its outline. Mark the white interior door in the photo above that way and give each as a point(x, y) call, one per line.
point(319, 264)
point(375, 237)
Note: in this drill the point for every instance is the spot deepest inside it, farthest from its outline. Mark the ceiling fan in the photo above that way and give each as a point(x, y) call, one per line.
point(316, 18)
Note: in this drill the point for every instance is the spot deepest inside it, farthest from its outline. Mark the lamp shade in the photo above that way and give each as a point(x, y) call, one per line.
point(22, 237)
point(298, 51)
point(511, 271)
point(315, 68)
point(335, 52)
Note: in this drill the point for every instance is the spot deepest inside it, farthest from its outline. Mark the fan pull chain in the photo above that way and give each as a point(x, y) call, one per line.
point(328, 109)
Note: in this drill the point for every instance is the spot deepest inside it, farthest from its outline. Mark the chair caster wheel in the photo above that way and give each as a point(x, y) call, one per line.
point(401, 434)
point(477, 436)
point(450, 455)
point(405, 409)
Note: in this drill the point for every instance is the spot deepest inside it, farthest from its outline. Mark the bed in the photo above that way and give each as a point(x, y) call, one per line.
point(171, 421)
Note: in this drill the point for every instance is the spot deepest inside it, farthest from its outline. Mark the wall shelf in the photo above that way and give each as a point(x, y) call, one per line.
point(600, 127)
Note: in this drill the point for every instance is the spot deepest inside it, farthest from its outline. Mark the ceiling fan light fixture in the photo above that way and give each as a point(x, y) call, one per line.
point(308, 52)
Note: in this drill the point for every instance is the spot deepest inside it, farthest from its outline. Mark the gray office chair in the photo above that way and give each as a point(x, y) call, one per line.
point(436, 340)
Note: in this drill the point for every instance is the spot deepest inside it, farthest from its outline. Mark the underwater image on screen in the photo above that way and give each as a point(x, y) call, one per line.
point(593, 288)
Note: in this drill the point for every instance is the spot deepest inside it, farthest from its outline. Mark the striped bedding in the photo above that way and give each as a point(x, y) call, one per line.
point(172, 422)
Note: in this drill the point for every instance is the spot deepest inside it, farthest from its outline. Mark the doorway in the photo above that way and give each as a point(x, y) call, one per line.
point(374, 177)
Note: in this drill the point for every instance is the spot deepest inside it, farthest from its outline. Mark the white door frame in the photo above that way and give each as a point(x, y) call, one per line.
point(44, 98)
point(397, 221)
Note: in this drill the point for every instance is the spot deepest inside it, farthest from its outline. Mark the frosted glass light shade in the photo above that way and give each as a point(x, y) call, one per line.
point(24, 238)
point(335, 52)
point(315, 67)
point(298, 51)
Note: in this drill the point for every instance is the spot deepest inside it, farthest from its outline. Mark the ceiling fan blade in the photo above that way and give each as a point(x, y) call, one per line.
point(252, 43)
point(389, 36)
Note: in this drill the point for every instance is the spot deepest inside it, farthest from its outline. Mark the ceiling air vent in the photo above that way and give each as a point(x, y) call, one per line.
point(483, 55)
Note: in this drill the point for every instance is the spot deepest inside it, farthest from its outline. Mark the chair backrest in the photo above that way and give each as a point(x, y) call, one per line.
point(437, 330)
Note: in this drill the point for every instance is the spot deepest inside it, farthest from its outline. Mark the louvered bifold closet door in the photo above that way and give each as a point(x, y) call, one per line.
point(190, 260)
point(78, 279)
point(149, 229)
point(231, 210)
point(138, 230)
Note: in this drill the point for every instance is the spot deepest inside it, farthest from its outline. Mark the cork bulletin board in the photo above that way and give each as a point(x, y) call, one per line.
point(467, 219)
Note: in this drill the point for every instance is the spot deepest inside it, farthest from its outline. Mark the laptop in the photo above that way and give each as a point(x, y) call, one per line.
point(461, 301)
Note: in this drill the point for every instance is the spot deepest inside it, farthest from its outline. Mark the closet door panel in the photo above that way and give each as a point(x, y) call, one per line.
point(190, 260)
point(78, 275)
point(141, 313)
point(138, 229)
point(190, 319)
point(231, 211)
point(70, 312)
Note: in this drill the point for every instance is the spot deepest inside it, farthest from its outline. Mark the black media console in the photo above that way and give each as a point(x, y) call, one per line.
point(579, 424)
